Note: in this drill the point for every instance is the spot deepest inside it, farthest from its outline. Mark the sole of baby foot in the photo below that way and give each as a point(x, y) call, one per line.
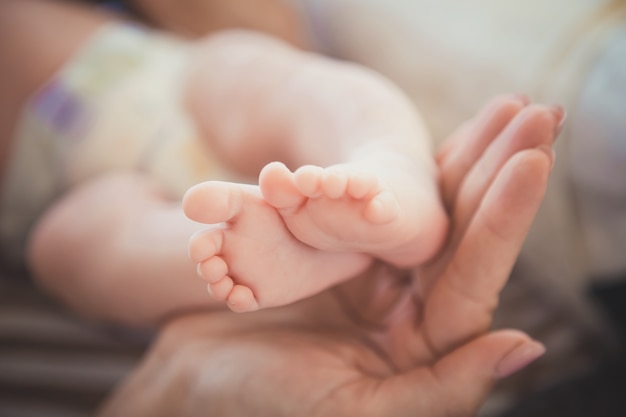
point(343, 209)
point(249, 258)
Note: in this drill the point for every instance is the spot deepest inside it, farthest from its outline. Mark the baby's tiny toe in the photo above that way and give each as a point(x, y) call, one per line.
point(362, 186)
point(334, 183)
point(219, 290)
point(382, 209)
point(241, 299)
point(205, 244)
point(213, 269)
point(307, 180)
point(278, 188)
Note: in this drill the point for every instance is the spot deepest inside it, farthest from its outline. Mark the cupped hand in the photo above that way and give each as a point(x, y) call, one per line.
point(390, 342)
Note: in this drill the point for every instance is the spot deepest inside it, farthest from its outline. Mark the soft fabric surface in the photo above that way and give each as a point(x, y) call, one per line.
point(52, 363)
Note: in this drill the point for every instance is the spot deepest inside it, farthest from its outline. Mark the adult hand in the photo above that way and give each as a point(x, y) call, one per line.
point(388, 343)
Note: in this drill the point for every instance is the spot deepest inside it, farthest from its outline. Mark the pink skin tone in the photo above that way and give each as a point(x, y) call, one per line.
point(275, 256)
point(365, 187)
point(318, 222)
point(410, 339)
point(389, 342)
point(337, 213)
point(299, 108)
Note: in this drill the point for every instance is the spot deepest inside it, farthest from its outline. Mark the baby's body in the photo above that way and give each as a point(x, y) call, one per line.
point(363, 186)
point(321, 225)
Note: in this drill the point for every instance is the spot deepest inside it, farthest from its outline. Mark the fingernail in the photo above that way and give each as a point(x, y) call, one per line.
point(560, 115)
point(199, 271)
point(523, 98)
point(548, 150)
point(519, 358)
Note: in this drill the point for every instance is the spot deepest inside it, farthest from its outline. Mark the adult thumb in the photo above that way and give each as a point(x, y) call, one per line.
point(459, 382)
point(466, 375)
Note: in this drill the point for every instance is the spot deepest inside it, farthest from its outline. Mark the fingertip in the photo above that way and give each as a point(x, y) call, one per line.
point(523, 98)
point(550, 153)
point(519, 358)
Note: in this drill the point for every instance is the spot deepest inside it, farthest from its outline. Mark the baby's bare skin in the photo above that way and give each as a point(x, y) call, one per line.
point(328, 222)
point(389, 210)
point(364, 185)
point(313, 223)
point(249, 258)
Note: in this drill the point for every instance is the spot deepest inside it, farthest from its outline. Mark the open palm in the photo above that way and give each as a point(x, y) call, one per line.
point(387, 343)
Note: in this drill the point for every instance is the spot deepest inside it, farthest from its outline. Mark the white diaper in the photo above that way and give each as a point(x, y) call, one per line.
point(115, 106)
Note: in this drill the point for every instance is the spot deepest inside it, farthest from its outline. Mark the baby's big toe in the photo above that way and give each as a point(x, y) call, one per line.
point(278, 188)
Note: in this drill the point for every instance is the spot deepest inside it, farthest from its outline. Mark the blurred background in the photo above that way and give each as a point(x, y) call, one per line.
point(450, 56)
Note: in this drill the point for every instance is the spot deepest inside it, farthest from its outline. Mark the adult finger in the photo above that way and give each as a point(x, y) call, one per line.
point(466, 376)
point(532, 127)
point(458, 383)
point(461, 302)
point(461, 151)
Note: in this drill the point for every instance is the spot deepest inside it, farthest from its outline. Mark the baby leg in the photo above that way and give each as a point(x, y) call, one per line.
point(113, 248)
point(247, 255)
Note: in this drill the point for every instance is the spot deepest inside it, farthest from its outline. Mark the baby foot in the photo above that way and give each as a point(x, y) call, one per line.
point(247, 255)
point(348, 209)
